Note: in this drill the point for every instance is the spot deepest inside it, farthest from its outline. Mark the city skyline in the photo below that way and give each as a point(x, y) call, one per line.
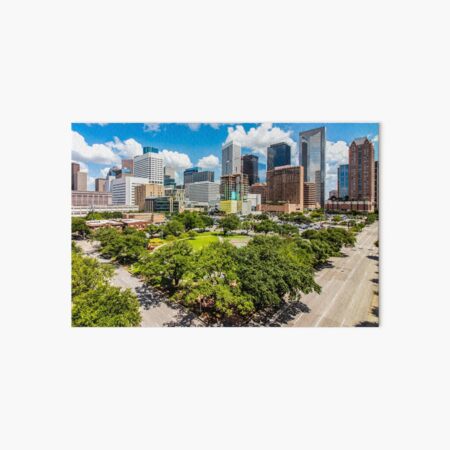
point(99, 146)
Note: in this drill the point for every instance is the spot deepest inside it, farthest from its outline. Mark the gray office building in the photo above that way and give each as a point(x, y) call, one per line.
point(195, 175)
point(312, 158)
point(231, 158)
point(250, 168)
point(278, 155)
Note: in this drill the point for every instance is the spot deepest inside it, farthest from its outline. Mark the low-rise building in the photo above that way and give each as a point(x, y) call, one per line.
point(281, 208)
point(91, 198)
point(203, 192)
point(143, 191)
point(357, 205)
point(163, 205)
point(83, 210)
point(259, 188)
point(153, 218)
point(124, 190)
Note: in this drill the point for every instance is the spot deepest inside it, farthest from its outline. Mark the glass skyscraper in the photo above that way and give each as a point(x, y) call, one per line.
point(312, 158)
point(342, 174)
point(278, 155)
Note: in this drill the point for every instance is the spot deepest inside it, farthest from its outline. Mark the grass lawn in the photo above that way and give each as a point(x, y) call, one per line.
point(237, 238)
point(201, 241)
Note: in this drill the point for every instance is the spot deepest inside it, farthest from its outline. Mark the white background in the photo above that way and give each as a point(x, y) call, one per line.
point(65, 388)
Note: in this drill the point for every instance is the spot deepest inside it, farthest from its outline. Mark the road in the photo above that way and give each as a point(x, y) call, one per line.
point(348, 287)
point(156, 310)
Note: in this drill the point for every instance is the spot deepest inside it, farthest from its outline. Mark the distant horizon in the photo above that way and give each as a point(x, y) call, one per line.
point(99, 146)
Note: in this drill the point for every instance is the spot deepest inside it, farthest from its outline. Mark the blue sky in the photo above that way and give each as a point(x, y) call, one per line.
point(99, 146)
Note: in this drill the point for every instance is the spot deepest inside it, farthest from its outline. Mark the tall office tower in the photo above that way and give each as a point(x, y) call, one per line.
point(128, 166)
point(259, 188)
point(309, 195)
point(285, 184)
point(234, 187)
point(231, 158)
point(342, 176)
point(195, 175)
point(250, 168)
point(169, 176)
point(124, 190)
point(150, 149)
point(100, 185)
point(377, 180)
point(149, 166)
point(312, 157)
point(278, 155)
point(81, 181)
point(75, 170)
point(361, 170)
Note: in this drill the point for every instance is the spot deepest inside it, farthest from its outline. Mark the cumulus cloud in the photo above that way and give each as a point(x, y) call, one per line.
point(216, 126)
point(126, 149)
point(261, 137)
point(91, 183)
point(336, 155)
point(209, 162)
point(104, 172)
point(194, 126)
point(102, 124)
point(151, 127)
point(375, 138)
point(178, 161)
point(96, 153)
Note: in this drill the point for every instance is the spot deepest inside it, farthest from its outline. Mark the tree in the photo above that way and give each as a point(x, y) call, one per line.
point(174, 228)
point(266, 226)
point(152, 230)
point(288, 230)
point(246, 225)
point(79, 226)
point(229, 223)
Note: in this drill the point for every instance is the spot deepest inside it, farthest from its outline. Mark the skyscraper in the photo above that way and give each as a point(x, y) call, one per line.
point(75, 170)
point(100, 185)
point(169, 176)
point(278, 155)
point(231, 158)
point(312, 158)
point(361, 170)
point(250, 168)
point(342, 175)
point(285, 184)
point(234, 187)
point(149, 166)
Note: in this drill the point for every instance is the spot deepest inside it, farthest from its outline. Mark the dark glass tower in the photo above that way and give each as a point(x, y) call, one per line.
point(278, 155)
point(312, 158)
point(250, 168)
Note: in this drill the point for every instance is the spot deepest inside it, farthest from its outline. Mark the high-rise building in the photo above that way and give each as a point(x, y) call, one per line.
point(377, 181)
point(128, 166)
point(342, 176)
point(195, 175)
point(169, 176)
point(278, 155)
point(309, 195)
point(234, 187)
point(142, 191)
point(150, 149)
point(361, 170)
point(75, 170)
point(259, 188)
point(124, 190)
point(250, 168)
point(231, 158)
point(203, 192)
point(285, 184)
point(149, 166)
point(81, 181)
point(100, 185)
point(312, 157)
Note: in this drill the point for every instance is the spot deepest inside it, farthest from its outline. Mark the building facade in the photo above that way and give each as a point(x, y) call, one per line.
point(250, 168)
point(285, 184)
point(231, 158)
point(203, 192)
point(312, 145)
point(361, 170)
point(100, 185)
point(149, 166)
point(358, 205)
point(234, 187)
point(162, 205)
point(195, 175)
point(90, 199)
point(124, 190)
point(342, 176)
point(128, 166)
point(309, 196)
point(261, 189)
point(75, 170)
point(278, 155)
point(142, 191)
point(81, 181)
point(333, 194)
point(377, 181)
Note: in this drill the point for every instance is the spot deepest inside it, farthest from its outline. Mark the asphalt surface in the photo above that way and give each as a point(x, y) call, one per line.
point(347, 288)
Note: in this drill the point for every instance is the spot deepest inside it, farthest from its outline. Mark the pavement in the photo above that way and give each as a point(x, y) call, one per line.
point(348, 287)
point(156, 310)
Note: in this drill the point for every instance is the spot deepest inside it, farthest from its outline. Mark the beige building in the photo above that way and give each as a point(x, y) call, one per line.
point(90, 199)
point(285, 184)
point(81, 181)
point(100, 185)
point(309, 195)
point(147, 190)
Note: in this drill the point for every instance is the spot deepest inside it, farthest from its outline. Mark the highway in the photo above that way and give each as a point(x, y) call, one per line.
point(347, 287)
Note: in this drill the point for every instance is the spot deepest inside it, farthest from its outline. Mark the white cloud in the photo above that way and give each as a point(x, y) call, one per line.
point(178, 161)
point(258, 139)
point(104, 172)
point(209, 162)
point(91, 183)
point(96, 153)
point(102, 124)
point(151, 127)
point(375, 138)
point(194, 126)
point(336, 155)
point(216, 126)
point(126, 149)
